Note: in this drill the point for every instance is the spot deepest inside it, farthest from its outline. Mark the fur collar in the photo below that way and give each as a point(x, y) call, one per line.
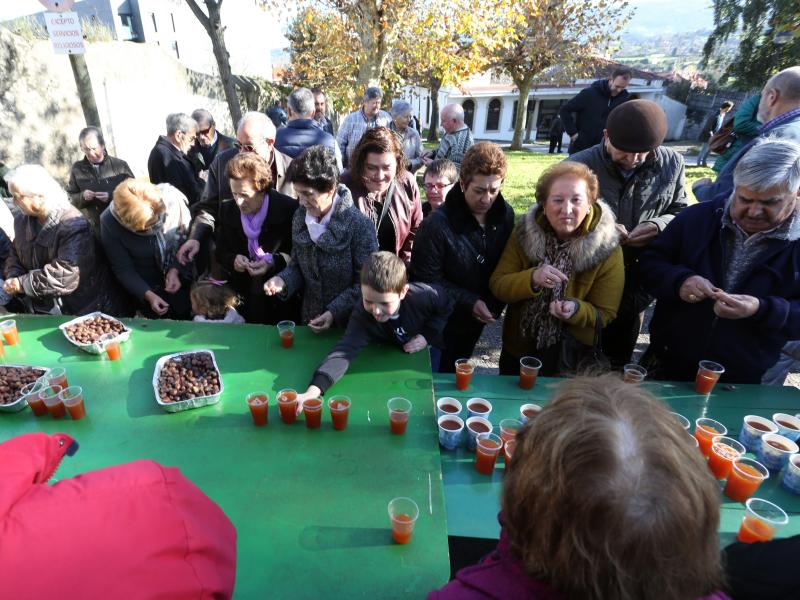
point(588, 250)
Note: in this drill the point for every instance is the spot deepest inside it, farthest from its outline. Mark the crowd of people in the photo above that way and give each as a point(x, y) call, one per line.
point(282, 221)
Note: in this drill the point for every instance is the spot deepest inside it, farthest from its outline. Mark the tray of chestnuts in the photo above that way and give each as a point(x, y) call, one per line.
point(85, 332)
point(12, 379)
point(187, 380)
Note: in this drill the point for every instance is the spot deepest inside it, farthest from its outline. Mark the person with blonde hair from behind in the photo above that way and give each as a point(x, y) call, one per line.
point(606, 497)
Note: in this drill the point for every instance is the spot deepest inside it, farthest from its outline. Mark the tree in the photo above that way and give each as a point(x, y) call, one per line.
point(769, 38)
point(212, 23)
point(528, 38)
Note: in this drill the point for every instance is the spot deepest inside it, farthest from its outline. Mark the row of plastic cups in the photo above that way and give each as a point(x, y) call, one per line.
point(339, 407)
point(528, 372)
point(480, 407)
point(55, 400)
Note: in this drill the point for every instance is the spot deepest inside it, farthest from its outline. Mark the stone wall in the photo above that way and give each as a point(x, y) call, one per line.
point(135, 86)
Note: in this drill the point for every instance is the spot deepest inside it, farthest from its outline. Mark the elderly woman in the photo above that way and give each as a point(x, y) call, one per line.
point(561, 272)
point(458, 247)
point(406, 135)
point(385, 191)
point(141, 231)
point(725, 274)
point(254, 238)
point(331, 239)
point(605, 497)
point(54, 265)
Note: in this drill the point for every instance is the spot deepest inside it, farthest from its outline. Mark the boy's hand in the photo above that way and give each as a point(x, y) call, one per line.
point(321, 322)
point(312, 392)
point(415, 344)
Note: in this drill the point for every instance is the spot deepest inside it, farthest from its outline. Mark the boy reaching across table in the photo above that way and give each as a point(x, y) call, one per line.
point(411, 316)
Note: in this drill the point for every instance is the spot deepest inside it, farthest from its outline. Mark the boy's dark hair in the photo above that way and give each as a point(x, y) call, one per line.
point(316, 168)
point(443, 168)
point(384, 272)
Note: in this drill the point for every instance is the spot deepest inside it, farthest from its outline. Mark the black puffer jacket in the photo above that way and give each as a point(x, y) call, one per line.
point(106, 178)
point(452, 250)
point(60, 262)
point(590, 109)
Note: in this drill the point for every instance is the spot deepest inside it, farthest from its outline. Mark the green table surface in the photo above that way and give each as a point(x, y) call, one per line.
point(473, 500)
point(309, 506)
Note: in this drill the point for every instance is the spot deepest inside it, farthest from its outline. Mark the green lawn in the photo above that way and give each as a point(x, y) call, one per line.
point(524, 169)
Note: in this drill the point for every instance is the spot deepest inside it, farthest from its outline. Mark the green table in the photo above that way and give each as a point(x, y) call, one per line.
point(473, 500)
point(309, 506)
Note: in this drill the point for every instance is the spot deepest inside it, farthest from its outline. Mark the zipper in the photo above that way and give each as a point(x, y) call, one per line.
point(61, 443)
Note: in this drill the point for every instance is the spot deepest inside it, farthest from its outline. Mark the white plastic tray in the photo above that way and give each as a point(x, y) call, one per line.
point(19, 403)
point(191, 403)
point(94, 347)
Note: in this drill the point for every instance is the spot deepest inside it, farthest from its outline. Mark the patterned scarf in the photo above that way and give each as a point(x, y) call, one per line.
point(536, 320)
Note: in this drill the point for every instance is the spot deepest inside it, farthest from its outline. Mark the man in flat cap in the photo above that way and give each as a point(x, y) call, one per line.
point(643, 183)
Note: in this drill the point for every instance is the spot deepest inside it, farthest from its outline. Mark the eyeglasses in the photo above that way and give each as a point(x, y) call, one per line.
point(247, 147)
point(204, 131)
point(437, 186)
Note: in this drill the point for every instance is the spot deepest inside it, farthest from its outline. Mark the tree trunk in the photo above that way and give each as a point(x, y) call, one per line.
point(433, 127)
point(213, 26)
point(524, 87)
point(84, 84)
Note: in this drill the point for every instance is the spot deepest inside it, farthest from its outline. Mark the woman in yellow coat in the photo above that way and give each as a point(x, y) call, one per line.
point(560, 271)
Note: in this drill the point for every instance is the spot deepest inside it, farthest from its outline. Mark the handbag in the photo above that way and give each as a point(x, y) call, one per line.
point(576, 358)
point(722, 140)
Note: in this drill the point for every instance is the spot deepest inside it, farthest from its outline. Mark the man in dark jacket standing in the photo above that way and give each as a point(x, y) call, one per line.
point(168, 162)
point(92, 180)
point(302, 131)
point(555, 134)
point(712, 125)
point(725, 273)
point(591, 108)
point(643, 183)
point(208, 144)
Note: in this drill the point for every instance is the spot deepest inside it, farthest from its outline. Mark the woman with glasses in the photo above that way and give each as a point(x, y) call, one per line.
point(385, 191)
point(54, 265)
point(254, 239)
point(406, 135)
point(459, 245)
point(141, 231)
point(440, 177)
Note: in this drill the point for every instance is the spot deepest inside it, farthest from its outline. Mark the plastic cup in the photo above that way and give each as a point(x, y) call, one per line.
point(9, 330)
point(57, 376)
point(508, 429)
point(486, 452)
point(753, 429)
point(705, 430)
point(744, 479)
point(479, 407)
point(450, 430)
point(528, 371)
point(447, 406)
point(312, 409)
point(49, 395)
point(724, 450)
point(788, 425)
point(2, 349)
point(682, 420)
point(31, 394)
point(110, 344)
point(508, 450)
point(464, 370)
point(340, 410)
point(399, 409)
point(791, 477)
point(761, 521)
point(287, 405)
point(528, 412)
point(708, 373)
point(403, 513)
point(775, 451)
point(72, 398)
point(633, 373)
point(693, 440)
point(475, 427)
point(286, 333)
point(259, 407)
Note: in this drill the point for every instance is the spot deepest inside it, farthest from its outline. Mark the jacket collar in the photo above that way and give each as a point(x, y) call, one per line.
point(653, 160)
point(302, 124)
point(460, 216)
point(598, 239)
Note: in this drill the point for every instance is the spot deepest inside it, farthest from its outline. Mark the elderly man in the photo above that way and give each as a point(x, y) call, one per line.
point(779, 113)
point(255, 133)
point(208, 144)
point(321, 110)
point(457, 139)
point(168, 162)
point(92, 180)
point(591, 108)
point(357, 122)
point(643, 183)
point(725, 273)
point(302, 131)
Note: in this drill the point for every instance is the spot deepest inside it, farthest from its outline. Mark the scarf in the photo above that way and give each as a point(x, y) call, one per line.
point(536, 320)
point(157, 230)
point(251, 224)
point(317, 227)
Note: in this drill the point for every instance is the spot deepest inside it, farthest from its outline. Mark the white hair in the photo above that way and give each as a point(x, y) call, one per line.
point(454, 111)
point(34, 180)
point(771, 164)
point(400, 108)
point(267, 127)
point(301, 101)
point(180, 122)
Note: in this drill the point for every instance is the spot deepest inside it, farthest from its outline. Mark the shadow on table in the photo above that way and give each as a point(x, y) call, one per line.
point(141, 398)
point(318, 537)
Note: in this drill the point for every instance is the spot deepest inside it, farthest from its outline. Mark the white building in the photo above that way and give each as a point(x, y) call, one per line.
point(490, 106)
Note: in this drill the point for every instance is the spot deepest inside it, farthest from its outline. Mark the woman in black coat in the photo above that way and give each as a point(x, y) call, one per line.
point(254, 239)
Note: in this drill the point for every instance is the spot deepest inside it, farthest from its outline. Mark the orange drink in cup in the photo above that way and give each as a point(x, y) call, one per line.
point(259, 407)
point(399, 409)
point(486, 452)
point(724, 451)
point(49, 395)
point(57, 376)
point(9, 331)
point(464, 370)
point(745, 478)
point(287, 405)
point(340, 409)
point(286, 333)
point(761, 521)
point(312, 409)
point(705, 430)
point(528, 371)
point(708, 373)
point(72, 398)
point(403, 514)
